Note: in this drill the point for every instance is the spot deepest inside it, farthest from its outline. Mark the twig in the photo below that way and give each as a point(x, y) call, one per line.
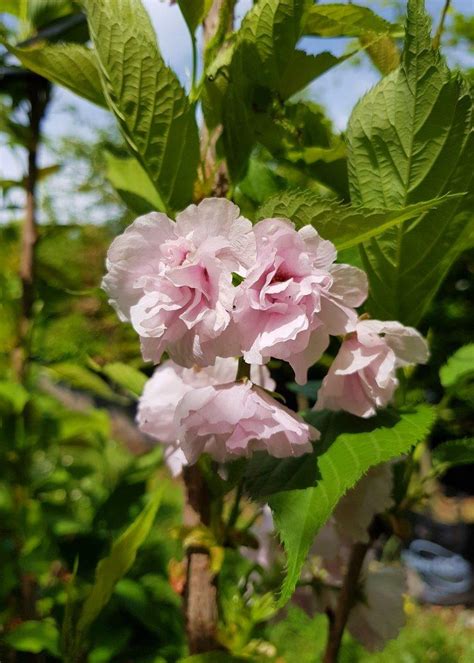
point(345, 602)
point(439, 31)
point(338, 619)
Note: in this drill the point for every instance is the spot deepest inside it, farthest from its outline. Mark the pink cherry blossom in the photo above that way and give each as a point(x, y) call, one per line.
point(173, 281)
point(165, 389)
point(363, 378)
point(294, 297)
point(232, 420)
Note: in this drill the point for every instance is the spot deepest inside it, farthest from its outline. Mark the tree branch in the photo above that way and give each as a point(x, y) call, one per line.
point(200, 592)
point(348, 593)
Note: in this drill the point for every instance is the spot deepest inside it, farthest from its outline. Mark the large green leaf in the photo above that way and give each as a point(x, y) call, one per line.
point(133, 184)
point(338, 20)
point(151, 107)
point(458, 367)
point(349, 446)
point(410, 139)
point(115, 566)
point(71, 65)
point(344, 225)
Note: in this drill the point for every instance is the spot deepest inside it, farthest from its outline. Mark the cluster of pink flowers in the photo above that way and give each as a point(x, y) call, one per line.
point(211, 287)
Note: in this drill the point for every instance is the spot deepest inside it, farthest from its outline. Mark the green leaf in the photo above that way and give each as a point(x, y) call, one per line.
point(194, 12)
point(13, 396)
point(349, 446)
point(338, 20)
point(410, 139)
point(303, 68)
point(344, 225)
point(126, 376)
point(383, 52)
point(34, 637)
point(133, 184)
point(260, 182)
point(152, 109)
point(71, 65)
point(82, 378)
point(453, 453)
point(112, 568)
point(458, 367)
point(268, 35)
point(264, 45)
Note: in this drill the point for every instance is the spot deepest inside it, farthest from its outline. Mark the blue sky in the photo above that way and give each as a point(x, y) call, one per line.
point(338, 90)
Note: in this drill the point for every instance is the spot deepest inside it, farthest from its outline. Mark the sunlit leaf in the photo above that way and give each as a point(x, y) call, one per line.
point(458, 367)
point(71, 65)
point(151, 107)
point(344, 225)
point(132, 184)
point(409, 140)
point(346, 20)
point(349, 446)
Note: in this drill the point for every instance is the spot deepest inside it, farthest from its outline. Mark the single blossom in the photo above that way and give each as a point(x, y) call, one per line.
point(173, 281)
point(362, 377)
point(165, 389)
point(232, 420)
point(294, 297)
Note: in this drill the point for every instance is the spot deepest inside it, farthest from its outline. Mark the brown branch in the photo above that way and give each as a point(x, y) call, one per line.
point(338, 620)
point(348, 593)
point(200, 592)
point(38, 97)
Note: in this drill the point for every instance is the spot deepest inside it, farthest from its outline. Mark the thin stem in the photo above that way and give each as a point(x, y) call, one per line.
point(439, 31)
point(338, 620)
point(195, 66)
